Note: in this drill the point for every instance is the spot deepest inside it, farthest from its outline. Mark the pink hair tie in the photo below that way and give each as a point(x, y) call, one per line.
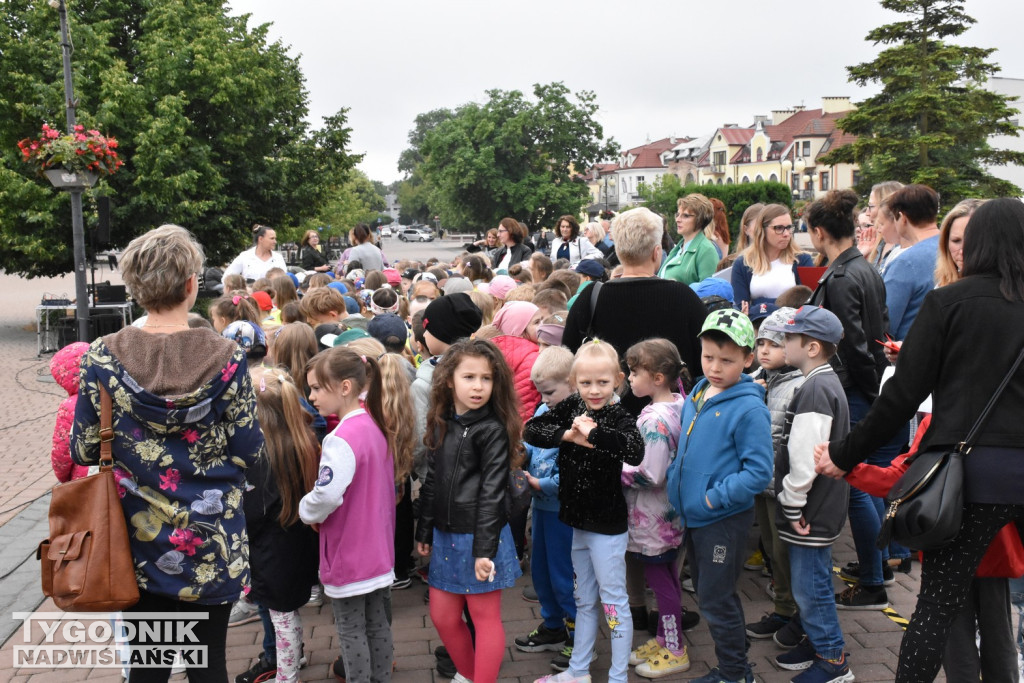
point(363, 358)
point(263, 383)
point(236, 298)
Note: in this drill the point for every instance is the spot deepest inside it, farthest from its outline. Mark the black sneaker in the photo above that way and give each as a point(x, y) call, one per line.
point(767, 627)
point(689, 620)
point(901, 566)
point(401, 584)
point(560, 662)
point(443, 665)
point(790, 635)
point(542, 638)
point(851, 573)
point(799, 658)
point(338, 669)
point(259, 672)
point(860, 597)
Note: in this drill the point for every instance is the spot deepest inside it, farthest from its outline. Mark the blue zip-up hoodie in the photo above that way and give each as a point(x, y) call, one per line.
point(543, 464)
point(725, 454)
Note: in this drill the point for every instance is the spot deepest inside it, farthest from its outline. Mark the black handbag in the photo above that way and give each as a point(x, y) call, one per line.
point(924, 508)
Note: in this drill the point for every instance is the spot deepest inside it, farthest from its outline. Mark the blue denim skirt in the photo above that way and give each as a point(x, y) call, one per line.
point(452, 565)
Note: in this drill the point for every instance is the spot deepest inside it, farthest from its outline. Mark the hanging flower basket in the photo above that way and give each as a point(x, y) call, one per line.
point(71, 160)
point(64, 179)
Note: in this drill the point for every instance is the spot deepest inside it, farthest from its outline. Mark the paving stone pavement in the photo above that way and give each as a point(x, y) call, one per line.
point(26, 477)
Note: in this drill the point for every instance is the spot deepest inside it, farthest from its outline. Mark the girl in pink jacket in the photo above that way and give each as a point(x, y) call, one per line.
point(64, 366)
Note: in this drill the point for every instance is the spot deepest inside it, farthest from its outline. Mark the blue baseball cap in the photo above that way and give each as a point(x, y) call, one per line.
point(815, 322)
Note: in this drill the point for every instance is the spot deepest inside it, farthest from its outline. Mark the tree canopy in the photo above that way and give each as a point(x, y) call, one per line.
point(511, 156)
point(209, 116)
point(931, 122)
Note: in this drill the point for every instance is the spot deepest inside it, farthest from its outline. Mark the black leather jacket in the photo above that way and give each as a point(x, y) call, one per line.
point(467, 480)
point(520, 252)
point(853, 290)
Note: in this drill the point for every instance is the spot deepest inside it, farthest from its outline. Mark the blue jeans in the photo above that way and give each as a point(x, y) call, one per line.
point(815, 596)
point(867, 512)
point(1017, 600)
point(551, 568)
point(716, 553)
point(599, 561)
point(269, 639)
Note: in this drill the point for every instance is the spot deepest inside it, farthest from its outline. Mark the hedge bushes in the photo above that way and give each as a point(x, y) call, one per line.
point(662, 195)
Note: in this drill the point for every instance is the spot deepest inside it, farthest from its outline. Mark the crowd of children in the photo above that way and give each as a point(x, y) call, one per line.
point(398, 403)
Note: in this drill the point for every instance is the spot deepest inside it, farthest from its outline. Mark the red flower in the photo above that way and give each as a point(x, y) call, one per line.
point(170, 479)
point(190, 435)
point(228, 371)
point(185, 541)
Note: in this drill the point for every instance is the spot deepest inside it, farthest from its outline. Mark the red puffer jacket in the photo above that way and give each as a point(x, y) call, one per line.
point(520, 354)
point(1005, 555)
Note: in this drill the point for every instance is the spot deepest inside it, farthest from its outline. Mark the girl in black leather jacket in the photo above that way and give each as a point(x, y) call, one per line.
point(473, 431)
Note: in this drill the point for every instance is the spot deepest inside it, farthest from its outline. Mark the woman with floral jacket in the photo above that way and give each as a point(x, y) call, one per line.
point(185, 430)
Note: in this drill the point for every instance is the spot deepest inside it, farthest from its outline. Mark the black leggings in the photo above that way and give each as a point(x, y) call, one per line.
point(211, 632)
point(946, 576)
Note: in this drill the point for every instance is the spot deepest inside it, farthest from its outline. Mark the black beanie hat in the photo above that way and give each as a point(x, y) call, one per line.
point(452, 317)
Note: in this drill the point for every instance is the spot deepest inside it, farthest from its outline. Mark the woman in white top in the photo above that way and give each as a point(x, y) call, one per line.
point(252, 264)
point(767, 267)
point(570, 244)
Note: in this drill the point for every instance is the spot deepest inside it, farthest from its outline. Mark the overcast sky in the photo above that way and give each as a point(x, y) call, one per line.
point(659, 67)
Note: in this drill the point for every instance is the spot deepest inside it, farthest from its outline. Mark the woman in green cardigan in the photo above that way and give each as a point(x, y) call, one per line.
point(694, 257)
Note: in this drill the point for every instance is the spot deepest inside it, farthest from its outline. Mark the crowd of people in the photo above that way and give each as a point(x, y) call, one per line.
point(612, 409)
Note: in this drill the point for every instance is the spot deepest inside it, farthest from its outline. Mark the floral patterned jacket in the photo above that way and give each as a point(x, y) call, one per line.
point(654, 526)
point(180, 462)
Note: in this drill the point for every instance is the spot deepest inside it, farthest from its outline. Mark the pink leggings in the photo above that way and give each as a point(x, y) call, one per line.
point(481, 666)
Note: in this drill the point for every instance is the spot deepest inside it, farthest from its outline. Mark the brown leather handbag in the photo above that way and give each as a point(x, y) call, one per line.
point(87, 561)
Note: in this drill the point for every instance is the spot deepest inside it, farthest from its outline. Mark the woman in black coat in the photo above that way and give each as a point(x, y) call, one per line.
point(962, 343)
point(513, 249)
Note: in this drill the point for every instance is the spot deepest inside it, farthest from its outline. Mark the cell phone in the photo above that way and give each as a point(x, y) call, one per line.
point(891, 344)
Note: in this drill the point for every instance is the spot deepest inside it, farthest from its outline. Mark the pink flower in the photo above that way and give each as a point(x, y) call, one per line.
point(228, 371)
point(185, 541)
point(190, 435)
point(170, 479)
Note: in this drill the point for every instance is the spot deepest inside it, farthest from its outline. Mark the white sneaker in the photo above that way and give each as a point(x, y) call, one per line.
point(459, 678)
point(687, 585)
point(564, 677)
point(316, 596)
point(243, 612)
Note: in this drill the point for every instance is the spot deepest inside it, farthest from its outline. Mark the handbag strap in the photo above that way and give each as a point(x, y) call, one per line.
point(965, 445)
point(106, 430)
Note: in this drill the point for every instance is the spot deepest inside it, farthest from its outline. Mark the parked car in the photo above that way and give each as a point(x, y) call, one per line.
point(414, 235)
point(385, 231)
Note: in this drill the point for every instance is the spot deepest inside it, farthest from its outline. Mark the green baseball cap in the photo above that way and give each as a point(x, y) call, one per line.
point(731, 323)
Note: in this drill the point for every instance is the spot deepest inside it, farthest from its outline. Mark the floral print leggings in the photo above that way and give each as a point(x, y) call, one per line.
point(288, 635)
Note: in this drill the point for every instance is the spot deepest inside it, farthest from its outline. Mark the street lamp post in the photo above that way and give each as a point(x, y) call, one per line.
point(77, 226)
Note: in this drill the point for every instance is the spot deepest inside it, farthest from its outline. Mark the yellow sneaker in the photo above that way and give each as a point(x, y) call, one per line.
point(642, 653)
point(663, 663)
point(755, 562)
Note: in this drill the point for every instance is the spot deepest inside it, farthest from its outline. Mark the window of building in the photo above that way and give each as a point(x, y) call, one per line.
point(825, 182)
point(760, 154)
point(728, 181)
point(719, 159)
point(773, 178)
point(745, 179)
point(759, 178)
point(856, 177)
point(719, 181)
point(807, 148)
point(639, 179)
point(689, 179)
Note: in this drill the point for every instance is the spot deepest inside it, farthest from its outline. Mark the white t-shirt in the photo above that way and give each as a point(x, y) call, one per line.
point(252, 267)
point(773, 283)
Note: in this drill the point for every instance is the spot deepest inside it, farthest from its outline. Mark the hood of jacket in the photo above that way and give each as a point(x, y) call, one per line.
point(169, 382)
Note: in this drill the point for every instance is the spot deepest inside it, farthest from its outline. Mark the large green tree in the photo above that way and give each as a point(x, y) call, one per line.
point(209, 114)
point(932, 119)
point(514, 156)
point(413, 192)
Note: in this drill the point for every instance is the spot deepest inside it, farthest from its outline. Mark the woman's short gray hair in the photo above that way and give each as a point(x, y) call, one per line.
point(637, 233)
point(156, 265)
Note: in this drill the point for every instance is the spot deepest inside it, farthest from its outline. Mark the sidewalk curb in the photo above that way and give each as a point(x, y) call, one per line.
point(19, 570)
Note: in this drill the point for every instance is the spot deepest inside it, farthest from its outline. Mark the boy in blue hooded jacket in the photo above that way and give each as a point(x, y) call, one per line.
point(724, 459)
